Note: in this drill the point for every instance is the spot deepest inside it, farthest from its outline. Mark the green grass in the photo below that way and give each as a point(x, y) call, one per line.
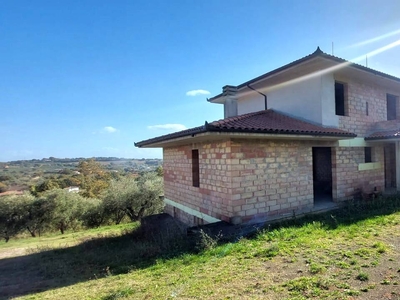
point(338, 255)
point(55, 240)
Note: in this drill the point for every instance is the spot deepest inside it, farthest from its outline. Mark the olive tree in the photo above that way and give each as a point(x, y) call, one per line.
point(146, 201)
point(67, 209)
point(93, 214)
point(12, 214)
point(134, 198)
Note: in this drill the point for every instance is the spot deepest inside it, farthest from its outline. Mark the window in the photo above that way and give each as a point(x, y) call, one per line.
point(340, 99)
point(195, 168)
point(368, 154)
point(391, 106)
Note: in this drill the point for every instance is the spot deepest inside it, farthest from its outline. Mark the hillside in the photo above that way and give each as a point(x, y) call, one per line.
point(19, 175)
point(351, 253)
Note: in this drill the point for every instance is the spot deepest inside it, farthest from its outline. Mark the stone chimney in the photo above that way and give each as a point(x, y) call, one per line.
point(230, 104)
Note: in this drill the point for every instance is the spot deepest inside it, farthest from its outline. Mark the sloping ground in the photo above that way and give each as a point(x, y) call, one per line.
point(353, 253)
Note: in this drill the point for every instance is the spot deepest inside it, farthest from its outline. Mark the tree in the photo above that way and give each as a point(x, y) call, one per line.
point(38, 216)
point(134, 198)
point(93, 213)
point(12, 214)
point(69, 181)
point(94, 179)
point(113, 199)
point(91, 167)
point(160, 171)
point(66, 209)
point(46, 185)
point(147, 199)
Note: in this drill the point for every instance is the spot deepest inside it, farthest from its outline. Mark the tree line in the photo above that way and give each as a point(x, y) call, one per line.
point(103, 200)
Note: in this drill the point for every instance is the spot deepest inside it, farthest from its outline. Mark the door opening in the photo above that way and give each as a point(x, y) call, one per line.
point(322, 174)
point(390, 167)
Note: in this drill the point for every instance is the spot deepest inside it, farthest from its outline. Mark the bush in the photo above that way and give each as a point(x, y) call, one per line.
point(3, 187)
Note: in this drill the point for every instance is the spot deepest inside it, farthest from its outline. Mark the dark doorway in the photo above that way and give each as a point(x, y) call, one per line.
point(322, 174)
point(390, 166)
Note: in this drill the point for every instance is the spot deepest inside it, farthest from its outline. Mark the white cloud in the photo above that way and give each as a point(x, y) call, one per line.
point(193, 93)
point(169, 127)
point(110, 129)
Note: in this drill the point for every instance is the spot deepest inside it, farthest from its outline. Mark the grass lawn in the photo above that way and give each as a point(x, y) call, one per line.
point(351, 253)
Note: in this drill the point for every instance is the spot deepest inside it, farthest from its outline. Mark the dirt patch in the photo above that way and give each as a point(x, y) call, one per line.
point(12, 252)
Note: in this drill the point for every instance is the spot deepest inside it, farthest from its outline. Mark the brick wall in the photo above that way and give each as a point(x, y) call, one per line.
point(246, 178)
point(348, 181)
point(270, 177)
point(260, 178)
point(356, 119)
point(213, 196)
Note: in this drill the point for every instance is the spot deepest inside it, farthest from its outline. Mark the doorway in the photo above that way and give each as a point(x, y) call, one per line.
point(322, 174)
point(390, 167)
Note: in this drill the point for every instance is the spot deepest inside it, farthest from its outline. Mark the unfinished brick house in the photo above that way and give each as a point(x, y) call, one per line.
point(310, 134)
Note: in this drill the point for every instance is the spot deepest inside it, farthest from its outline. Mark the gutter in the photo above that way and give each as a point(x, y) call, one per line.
point(265, 96)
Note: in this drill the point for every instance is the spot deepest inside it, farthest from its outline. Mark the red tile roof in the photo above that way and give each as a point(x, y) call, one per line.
point(266, 121)
point(388, 134)
point(270, 121)
point(171, 136)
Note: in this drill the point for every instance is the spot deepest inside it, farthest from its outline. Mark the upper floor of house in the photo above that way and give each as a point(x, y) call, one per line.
point(322, 89)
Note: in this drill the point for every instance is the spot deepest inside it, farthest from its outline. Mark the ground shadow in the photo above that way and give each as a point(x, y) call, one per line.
point(94, 258)
point(100, 257)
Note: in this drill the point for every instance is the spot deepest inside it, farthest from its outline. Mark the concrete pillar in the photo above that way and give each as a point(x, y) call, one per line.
point(398, 166)
point(230, 104)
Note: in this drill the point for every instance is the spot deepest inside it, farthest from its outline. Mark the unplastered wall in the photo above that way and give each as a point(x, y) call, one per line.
point(270, 177)
point(212, 198)
point(348, 179)
point(358, 95)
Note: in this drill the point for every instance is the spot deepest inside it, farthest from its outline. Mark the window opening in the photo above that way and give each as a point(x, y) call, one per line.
point(195, 168)
point(391, 106)
point(339, 99)
point(368, 154)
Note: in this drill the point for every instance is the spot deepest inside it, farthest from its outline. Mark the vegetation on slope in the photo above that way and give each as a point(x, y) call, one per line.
point(104, 200)
point(351, 253)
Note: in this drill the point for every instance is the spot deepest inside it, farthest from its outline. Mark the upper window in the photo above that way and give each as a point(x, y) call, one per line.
point(368, 154)
point(195, 168)
point(391, 107)
point(340, 99)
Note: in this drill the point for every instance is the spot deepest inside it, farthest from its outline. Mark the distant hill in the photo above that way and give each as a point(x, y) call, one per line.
point(20, 174)
point(77, 159)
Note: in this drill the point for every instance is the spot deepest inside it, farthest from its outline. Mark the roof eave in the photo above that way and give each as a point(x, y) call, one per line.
point(213, 135)
point(382, 139)
point(317, 53)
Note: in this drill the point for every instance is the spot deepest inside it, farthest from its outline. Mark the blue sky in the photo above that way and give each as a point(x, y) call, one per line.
point(90, 78)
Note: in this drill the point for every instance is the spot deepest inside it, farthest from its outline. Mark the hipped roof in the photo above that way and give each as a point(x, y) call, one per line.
point(263, 122)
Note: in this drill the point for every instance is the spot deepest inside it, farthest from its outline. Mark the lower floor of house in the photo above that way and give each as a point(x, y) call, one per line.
point(256, 180)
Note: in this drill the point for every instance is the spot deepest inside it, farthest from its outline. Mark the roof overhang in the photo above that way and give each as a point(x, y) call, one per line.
point(315, 64)
point(220, 136)
point(383, 140)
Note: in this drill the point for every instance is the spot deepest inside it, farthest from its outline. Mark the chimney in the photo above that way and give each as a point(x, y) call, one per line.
point(230, 104)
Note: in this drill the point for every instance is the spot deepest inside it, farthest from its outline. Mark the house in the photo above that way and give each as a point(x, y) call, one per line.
point(72, 189)
point(310, 134)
